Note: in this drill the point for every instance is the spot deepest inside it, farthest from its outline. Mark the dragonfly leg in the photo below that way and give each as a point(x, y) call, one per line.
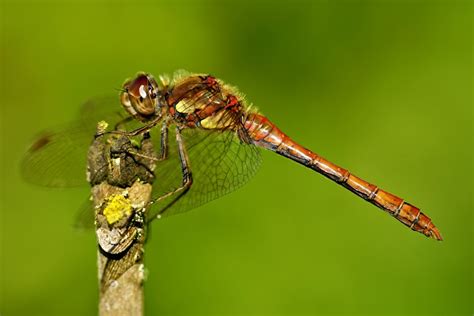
point(122, 122)
point(164, 141)
point(144, 128)
point(138, 131)
point(164, 146)
point(187, 179)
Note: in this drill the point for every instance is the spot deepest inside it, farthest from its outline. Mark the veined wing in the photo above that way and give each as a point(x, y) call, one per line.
point(58, 157)
point(220, 163)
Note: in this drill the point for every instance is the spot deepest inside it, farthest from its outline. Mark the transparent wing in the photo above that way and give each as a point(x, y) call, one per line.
point(85, 216)
point(100, 108)
point(58, 157)
point(219, 162)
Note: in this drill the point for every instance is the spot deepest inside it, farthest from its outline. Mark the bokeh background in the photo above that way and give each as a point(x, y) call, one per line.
point(383, 88)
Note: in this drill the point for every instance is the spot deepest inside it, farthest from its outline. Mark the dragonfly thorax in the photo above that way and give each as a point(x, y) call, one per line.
point(206, 102)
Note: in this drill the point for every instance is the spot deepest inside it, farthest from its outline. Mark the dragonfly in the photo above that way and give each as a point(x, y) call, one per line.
point(209, 139)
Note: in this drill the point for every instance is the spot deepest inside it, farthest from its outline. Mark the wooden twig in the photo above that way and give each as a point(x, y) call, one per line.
point(121, 190)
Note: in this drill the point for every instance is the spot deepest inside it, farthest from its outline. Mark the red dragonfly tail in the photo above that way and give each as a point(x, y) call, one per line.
point(265, 134)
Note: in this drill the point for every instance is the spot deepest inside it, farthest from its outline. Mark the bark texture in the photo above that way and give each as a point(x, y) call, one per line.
point(121, 176)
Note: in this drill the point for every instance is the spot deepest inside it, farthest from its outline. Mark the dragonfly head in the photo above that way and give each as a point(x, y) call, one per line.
point(140, 97)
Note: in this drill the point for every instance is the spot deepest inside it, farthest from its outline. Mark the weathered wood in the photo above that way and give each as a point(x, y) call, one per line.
point(121, 191)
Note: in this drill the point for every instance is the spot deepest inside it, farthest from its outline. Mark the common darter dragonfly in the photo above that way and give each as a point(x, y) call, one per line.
point(209, 140)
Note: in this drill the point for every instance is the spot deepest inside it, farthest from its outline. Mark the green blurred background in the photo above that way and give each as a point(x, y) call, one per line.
point(383, 88)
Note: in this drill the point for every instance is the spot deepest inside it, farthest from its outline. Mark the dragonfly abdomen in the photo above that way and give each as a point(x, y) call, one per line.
point(265, 134)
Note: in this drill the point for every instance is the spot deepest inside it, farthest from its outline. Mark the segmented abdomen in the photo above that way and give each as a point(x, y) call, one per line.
point(265, 134)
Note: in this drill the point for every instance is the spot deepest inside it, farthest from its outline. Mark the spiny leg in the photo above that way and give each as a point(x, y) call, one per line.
point(164, 140)
point(187, 179)
point(164, 146)
point(138, 131)
point(122, 122)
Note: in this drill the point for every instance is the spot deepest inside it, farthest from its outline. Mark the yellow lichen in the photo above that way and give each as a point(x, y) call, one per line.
point(102, 126)
point(117, 208)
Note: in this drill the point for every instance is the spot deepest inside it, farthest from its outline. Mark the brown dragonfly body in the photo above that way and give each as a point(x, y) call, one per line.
point(203, 105)
point(202, 101)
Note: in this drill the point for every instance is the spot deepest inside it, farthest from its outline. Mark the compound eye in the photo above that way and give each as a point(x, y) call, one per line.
point(139, 96)
point(151, 91)
point(143, 93)
point(137, 87)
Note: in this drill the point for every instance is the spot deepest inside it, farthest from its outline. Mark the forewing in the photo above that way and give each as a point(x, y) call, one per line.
point(58, 157)
point(85, 216)
point(219, 161)
point(101, 108)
